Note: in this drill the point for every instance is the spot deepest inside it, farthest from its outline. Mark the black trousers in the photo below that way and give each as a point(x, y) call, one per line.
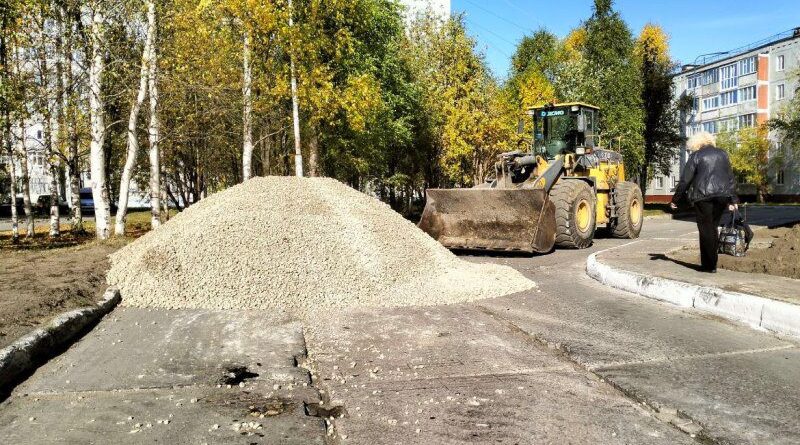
point(709, 212)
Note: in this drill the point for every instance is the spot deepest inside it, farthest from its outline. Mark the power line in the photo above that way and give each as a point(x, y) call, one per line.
point(524, 11)
point(491, 32)
point(526, 30)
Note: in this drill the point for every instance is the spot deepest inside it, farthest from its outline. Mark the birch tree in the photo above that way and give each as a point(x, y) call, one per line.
point(247, 123)
point(97, 165)
point(49, 119)
point(23, 145)
point(298, 154)
point(133, 118)
point(69, 17)
point(154, 128)
point(7, 28)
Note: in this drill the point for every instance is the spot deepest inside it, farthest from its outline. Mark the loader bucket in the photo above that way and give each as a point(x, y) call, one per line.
point(490, 219)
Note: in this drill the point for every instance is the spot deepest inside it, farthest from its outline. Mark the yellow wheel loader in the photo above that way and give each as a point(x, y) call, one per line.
point(555, 195)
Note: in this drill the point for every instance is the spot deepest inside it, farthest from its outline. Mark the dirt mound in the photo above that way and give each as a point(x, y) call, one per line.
point(296, 245)
point(782, 258)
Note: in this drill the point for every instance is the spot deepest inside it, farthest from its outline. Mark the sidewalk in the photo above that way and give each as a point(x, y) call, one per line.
point(645, 267)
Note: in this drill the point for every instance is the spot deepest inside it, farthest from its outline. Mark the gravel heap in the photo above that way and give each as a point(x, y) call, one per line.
point(295, 246)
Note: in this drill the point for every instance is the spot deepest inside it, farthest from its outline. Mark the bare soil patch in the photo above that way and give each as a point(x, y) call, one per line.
point(36, 285)
point(782, 258)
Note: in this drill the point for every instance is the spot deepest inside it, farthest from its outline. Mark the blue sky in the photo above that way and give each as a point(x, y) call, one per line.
point(695, 27)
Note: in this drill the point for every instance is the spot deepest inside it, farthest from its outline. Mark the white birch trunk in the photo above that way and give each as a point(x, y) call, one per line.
point(97, 165)
point(247, 137)
point(154, 129)
point(26, 178)
point(133, 141)
point(12, 174)
point(26, 182)
point(298, 154)
point(71, 122)
point(52, 159)
point(56, 124)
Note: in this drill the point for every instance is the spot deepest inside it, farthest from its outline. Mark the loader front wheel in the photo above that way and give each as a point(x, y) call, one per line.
point(630, 211)
point(575, 213)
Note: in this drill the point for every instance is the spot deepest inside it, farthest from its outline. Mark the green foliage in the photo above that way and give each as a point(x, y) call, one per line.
point(662, 123)
point(787, 122)
point(466, 122)
point(609, 60)
point(749, 153)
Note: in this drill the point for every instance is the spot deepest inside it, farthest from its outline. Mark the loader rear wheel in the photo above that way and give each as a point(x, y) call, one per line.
point(630, 211)
point(575, 213)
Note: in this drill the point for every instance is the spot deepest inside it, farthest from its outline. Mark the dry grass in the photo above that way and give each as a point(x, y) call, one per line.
point(138, 224)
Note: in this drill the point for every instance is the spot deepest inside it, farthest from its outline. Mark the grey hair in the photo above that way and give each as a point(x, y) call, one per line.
point(700, 140)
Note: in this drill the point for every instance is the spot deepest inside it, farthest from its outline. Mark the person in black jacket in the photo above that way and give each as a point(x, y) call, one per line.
point(709, 184)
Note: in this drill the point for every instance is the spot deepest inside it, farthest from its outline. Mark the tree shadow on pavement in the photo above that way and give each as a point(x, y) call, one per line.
point(662, 257)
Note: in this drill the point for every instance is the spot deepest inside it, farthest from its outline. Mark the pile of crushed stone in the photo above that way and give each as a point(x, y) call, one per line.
point(295, 246)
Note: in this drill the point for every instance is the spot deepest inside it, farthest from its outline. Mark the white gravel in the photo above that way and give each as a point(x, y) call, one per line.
point(295, 246)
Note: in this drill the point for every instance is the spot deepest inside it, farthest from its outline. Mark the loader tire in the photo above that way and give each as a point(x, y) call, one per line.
point(630, 211)
point(575, 213)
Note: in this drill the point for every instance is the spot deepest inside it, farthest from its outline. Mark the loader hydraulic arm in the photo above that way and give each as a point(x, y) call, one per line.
point(548, 178)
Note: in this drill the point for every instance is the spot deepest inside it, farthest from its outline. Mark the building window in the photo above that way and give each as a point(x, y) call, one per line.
point(674, 182)
point(660, 182)
point(39, 135)
point(727, 98)
point(726, 125)
point(780, 64)
point(710, 103)
point(747, 94)
point(693, 81)
point(747, 66)
point(747, 120)
point(781, 179)
point(780, 92)
point(729, 77)
point(709, 76)
point(710, 127)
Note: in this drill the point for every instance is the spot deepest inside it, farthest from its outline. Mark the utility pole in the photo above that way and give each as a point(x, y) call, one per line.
point(298, 155)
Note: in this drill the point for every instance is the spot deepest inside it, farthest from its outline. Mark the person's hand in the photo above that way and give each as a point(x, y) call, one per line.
point(733, 207)
point(673, 206)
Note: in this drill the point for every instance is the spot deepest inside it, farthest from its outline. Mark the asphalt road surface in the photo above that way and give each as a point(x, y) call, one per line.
point(572, 361)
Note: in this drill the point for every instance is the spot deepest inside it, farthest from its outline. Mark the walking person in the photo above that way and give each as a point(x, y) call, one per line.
point(709, 184)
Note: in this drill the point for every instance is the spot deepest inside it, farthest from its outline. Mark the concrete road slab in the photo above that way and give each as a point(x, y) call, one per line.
point(536, 407)
point(739, 398)
point(141, 348)
point(420, 343)
point(217, 416)
point(190, 376)
point(599, 327)
point(454, 374)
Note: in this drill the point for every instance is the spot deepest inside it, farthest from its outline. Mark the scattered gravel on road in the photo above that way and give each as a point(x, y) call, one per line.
point(296, 246)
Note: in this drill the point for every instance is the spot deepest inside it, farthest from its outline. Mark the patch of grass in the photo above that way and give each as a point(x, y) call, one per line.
point(657, 209)
point(138, 223)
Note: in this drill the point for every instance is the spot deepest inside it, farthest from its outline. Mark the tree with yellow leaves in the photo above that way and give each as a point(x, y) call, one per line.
point(662, 134)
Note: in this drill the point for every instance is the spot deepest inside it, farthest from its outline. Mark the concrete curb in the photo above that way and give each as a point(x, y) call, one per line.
point(29, 351)
point(758, 312)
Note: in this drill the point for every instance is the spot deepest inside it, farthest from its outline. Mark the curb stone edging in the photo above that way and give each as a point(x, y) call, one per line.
point(758, 312)
point(28, 351)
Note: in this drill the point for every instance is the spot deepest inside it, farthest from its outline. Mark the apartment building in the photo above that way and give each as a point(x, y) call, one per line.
point(741, 88)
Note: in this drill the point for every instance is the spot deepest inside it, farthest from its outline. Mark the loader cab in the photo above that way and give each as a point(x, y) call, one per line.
point(564, 128)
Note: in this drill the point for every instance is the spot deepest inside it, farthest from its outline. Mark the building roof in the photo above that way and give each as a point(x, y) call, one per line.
point(704, 60)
